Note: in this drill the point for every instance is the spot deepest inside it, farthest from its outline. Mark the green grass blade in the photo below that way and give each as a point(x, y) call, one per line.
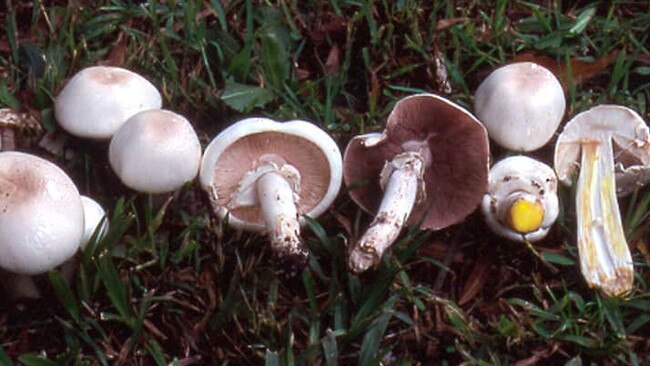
point(271, 359)
point(31, 359)
point(65, 295)
point(4, 358)
point(368, 355)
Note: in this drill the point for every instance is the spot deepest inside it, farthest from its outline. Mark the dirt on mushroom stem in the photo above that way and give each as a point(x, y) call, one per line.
point(402, 187)
point(281, 216)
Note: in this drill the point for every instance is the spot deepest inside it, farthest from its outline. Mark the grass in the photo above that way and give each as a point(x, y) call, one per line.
point(178, 287)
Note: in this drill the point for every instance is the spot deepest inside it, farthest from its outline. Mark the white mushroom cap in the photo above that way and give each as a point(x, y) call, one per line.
point(93, 215)
point(234, 156)
point(99, 99)
point(630, 137)
point(521, 105)
point(155, 151)
point(41, 215)
point(520, 178)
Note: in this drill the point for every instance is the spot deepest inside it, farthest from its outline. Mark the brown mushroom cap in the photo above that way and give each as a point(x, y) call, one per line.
point(456, 153)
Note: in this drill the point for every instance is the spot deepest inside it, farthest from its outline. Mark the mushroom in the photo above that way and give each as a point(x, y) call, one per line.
point(99, 99)
point(430, 165)
point(521, 105)
point(155, 151)
point(14, 123)
point(93, 216)
point(264, 175)
point(521, 203)
point(35, 236)
point(596, 141)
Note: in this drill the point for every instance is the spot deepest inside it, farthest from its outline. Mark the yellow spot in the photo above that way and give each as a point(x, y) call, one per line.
point(525, 216)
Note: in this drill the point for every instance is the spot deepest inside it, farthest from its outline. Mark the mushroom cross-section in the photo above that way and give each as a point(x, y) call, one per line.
point(429, 167)
point(97, 100)
point(597, 141)
point(263, 175)
point(521, 203)
point(41, 215)
point(521, 105)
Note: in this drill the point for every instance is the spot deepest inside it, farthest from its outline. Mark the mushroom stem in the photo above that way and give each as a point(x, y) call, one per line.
point(280, 215)
point(19, 286)
point(605, 259)
point(7, 139)
point(400, 194)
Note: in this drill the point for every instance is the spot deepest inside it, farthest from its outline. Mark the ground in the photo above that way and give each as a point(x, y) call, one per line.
point(171, 284)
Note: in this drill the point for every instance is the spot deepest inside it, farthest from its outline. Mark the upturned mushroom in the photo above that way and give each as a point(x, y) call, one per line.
point(98, 100)
point(429, 168)
point(521, 203)
point(265, 175)
point(34, 234)
point(155, 151)
point(521, 105)
point(597, 141)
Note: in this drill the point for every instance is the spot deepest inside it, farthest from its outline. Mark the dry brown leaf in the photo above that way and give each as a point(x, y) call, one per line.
point(443, 24)
point(538, 356)
point(476, 279)
point(644, 59)
point(438, 249)
point(333, 62)
point(117, 53)
point(375, 87)
point(581, 71)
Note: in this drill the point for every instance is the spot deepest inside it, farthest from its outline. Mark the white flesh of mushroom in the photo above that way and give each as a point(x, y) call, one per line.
point(401, 180)
point(605, 258)
point(516, 180)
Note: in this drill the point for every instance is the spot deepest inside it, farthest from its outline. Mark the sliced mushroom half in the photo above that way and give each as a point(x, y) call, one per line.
point(594, 141)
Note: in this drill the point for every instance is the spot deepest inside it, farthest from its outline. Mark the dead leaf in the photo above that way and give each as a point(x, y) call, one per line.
point(642, 246)
point(443, 24)
point(438, 249)
point(333, 62)
point(117, 53)
point(375, 86)
point(476, 279)
point(644, 59)
point(442, 77)
point(345, 223)
point(330, 27)
point(538, 356)
point(581, 71)
point(206, 279)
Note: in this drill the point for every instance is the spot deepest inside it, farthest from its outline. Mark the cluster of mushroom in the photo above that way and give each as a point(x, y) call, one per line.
point(152, 150)
point(522, 105)
point(429, 168)
point(34, 236)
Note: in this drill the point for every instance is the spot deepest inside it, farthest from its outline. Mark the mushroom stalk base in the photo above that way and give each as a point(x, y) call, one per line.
point(280, 215)
point(605, 259)
point(7, 139)
point(400, 194)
